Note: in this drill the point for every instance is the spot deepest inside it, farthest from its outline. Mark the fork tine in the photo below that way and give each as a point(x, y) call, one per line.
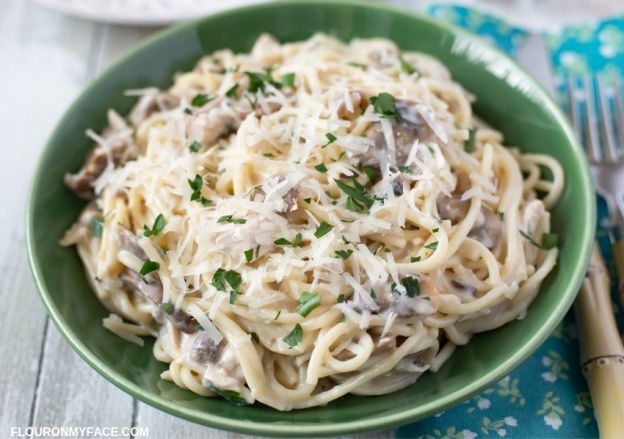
point(606, 123)
point(619, 111)
point(573, 106)
point(591, 125)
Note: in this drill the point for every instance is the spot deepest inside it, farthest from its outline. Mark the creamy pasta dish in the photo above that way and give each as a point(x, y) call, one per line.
point(309, 220)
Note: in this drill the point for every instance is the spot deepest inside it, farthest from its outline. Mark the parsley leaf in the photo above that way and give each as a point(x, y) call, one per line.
point(549, 240)
point(233, 295)
point(221, 276)
point(330, 139)
point(249, 255)
point(358, 199)
point(321, 167)
point(167, 308)
point(384, 104)
point(195, 146)
point(288, 80)
point(282, 241)
point(231, 219)
point(415, 259)
point(159, 225)
point(255, 337)
point(469, 144)
point(297, 241)
point(412, 287)
point(343, 254)
point(148, 267)
point(322, 229)
point(277, 315)
point(231, 92)
point(405, 169)
point(308, 302)
point(340, 298)
point(294, 337)
point(200, 100)
point(230, 395)
point(407, 67)
point(357, 64)
point(97, 226)
point(372, 173)
point(432, 245)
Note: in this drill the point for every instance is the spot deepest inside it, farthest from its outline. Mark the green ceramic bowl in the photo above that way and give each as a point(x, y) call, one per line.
point(507, 98)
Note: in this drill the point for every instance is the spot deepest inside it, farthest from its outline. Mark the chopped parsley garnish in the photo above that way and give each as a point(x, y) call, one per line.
point(411, 285)
point(415, 259)
point(345, 240)
point(256, 81)
point(407, 67)
point(230, 395)
point(97, 226)
point(188, 110)
point(295, 243)
point(330, 139)
point(222, 276)
point(159, 225)
point(384, 104)
point(436, 230)
point(358, 199)
point(288, 80)
point(195, 146)
point(308, 302)
point(432, 245)
point(196, 185)
point(249, 255)
point(255, 337)
point(200, 100)
point(372, 173)
point(357, 64)
point(233, 295)
point(294, 337)
point(231, 219)
point(340, 298)
point(372, 294)
point(277, 315)
point(268, 155)
point(343, 254)
point(231, 92)
point(405, 169)
point(322, 229)
point(167, 307)
point(469, 144)
point(321, 167)
point(148, 267)
point(307, 200)
point(549, 240)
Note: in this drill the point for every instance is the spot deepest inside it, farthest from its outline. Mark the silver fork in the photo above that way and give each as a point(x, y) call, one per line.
point(602, 352)
point(601, 136)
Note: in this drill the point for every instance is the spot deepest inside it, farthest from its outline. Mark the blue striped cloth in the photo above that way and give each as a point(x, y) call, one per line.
point(546, 396)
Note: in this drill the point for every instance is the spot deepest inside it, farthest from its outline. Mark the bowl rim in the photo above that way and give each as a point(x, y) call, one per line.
point(407, 415)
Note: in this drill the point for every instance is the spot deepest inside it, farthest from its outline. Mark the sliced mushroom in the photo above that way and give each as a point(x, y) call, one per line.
point(488, 230)
point(149, 286)
point(407, 126)
point(204, 349)
point(115, 147)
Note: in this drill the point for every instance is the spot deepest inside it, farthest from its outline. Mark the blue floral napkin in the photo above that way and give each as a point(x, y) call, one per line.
point(546, 397)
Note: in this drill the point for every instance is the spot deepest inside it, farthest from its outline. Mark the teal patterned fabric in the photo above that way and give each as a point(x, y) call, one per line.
point(546, 397)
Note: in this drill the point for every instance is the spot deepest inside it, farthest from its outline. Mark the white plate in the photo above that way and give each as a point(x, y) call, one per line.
point(141, 12)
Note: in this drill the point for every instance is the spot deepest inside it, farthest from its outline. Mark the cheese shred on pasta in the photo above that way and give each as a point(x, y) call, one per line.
point(309, 220)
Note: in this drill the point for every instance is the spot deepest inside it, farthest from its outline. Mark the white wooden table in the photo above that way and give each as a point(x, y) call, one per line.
point(46, 59)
